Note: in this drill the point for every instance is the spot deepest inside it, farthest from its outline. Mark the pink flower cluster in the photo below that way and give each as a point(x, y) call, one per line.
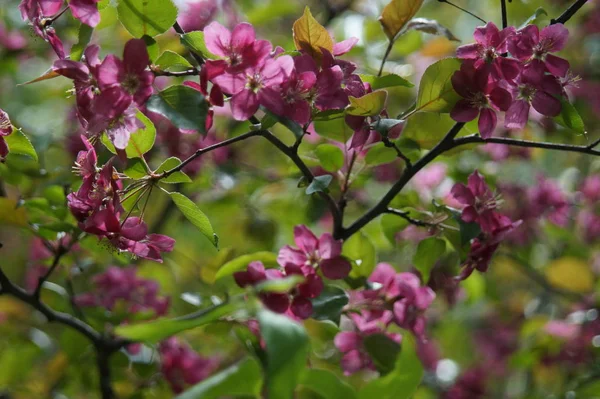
point(395, 298)
point(254, 74)
point(41, 14)
point(118, 287)
point(588, 218)
point(97, 208)
point(489, 80)
point(109, 91)
point(480, 206)
point(5, 129)
point(312, 255)
point(181, 366)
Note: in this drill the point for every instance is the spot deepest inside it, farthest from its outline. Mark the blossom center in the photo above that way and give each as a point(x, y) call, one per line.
point(478, 100)
point(254, 82)
point(131, 83)
point(527, 92)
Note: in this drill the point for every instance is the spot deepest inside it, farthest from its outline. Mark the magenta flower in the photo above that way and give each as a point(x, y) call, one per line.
point(240, 49)
point(590, 188)
point(479, 200)
point(181, 366)
point(546, 198)
point(534, 47)
point(355, 356)
point(5, 129)
point(256, 86)
point(487, 52)
point(86, 11)
point(414, 300)
point(118, 127)
point(480, 98)
point(196, 15)
point(533, 91)
point(130, 76)
point(255, 274)
point(323, 253)
point(30, 9)
point(11, 39)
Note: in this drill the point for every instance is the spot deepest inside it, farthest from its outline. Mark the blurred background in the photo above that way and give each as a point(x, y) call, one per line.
point(529, 328)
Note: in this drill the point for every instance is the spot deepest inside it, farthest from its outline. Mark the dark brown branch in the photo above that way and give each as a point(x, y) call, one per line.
point(406, 216)
point(381, 207)
point(569, 12)
point(388, 143)
point(475, 138)
point(190, 72)
point(504, 14)
point(58, 253)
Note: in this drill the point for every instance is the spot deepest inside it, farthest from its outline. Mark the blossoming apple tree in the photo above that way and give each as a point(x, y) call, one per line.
point(381, 216)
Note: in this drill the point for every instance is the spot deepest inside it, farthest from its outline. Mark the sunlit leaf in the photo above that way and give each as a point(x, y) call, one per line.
point(195, 41)
point(143, 17)
point(396, 14)
point(175, 177)
point(571, 274)
point(172, 62)
point(140, 141)
point(361, 251)
point(311, 36)
point(381, 82)
point(241, 263)
point(436, 93)
point(330, 156)
point(10, 214)
point(569, 117)
point(83, 38)
point(368, 105)
point(18, 143)
point(334, 128)
point(196, 216)
point(428, 253)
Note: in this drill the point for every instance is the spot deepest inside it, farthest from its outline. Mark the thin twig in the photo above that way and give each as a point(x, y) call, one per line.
point(569, 12)
point(386, 55)
point(388, 143)
point(59, 252)
point(463, 10)
point(476, 139)
point(406, 216)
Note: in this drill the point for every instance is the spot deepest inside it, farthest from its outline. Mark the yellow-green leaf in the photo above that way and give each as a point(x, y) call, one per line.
point(571, 274)
point(396, 14)
point(311, 36)
point(368, 105)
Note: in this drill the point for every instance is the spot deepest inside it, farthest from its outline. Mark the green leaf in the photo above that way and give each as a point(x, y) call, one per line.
point(379, 154)
point(292, 126)
point(326, 384)
point(280, 286)
point(195, 41)
point(319, 183)
point(330, 156)
point(172, 62)
point(361, 251)
point(241, 379)
point(436, 93)
point(383, 351)
point(83, 38)
point(151, 47)
point(368, 105)
point(432, 27)
point(535, 18)
point(403, 381)
point(159, 329)
point(240, 263)
point(329, 305)
point(391, 225)
point(136, 169)
point(428, 252)
point(196, 216)
point(140, 141)
point(569, 117)
point(18, 143)
point(427, 129)
point(287, 353)
point(176, 177)
point(381, 82)
point(147, 17)
point(185, 107)
point(396, 14)
point(334, 128)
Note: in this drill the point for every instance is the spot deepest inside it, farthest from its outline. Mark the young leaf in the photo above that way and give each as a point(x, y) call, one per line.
point(172, 62)
point(326, 384)
point(151, 47)
point(427, 129)
point(176, 177)
point(379, 154)
point(361, 251)
point(436, 93)
point(241, 379)
point(157, 330)
point(195, 41)
point(311, 36)
point(381, 82)
point(185, 107)
point(383, 351)
point(569, 117)
point(535, 18)
point(287, 352)
point(18, 143)
point(280, 286)
point(329, 305)
point(143, 17)
point(403, 381)
point(136, 169)
point(330, 156)
point(196, 216)
point(432, 27)
point(368, 105)
point(83, 38)
point(240, 263)
point(140, 141)
point(334, 128)
point(428, 252)
point(396, 14)
point(319, 183)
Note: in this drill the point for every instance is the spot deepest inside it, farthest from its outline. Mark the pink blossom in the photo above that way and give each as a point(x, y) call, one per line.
point(547, 198)
point(479, 200)
point(11, 39)
point(324, 253)
point(534, 47)
point(37, 12)
point(86, 11)
point(491, 44)
point(255, 274)
point(590, 188)
point(355, 356)
point(480, 98)
point(181, 366)
point(197, 14)
point(5, 129)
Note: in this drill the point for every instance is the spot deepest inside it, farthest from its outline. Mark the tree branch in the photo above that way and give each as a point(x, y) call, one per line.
point(190, 72)
point(406, 216)
point(475, 138)
point(504, 15)
point(388, 143)
point(382, 206)
point(569, 12)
